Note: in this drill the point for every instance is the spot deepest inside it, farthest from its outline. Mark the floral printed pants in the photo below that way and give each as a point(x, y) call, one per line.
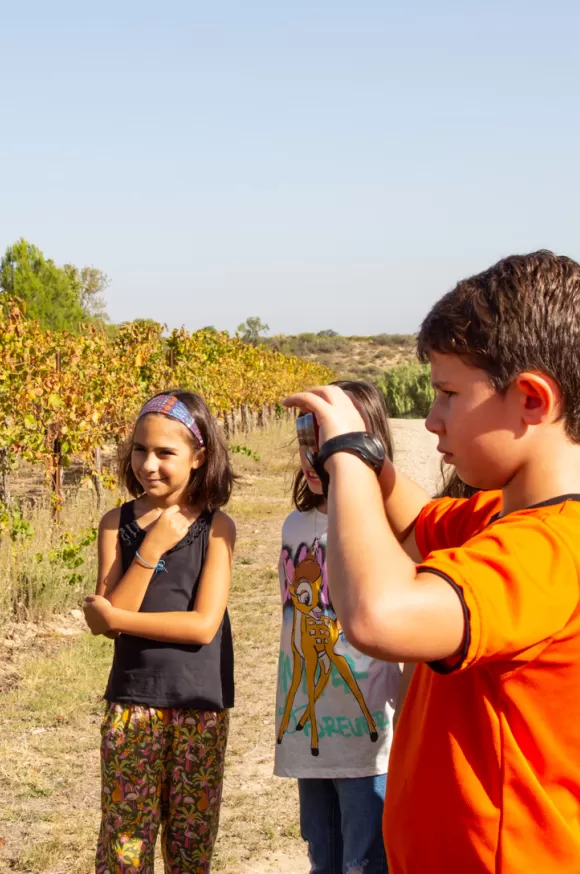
point(160, 767)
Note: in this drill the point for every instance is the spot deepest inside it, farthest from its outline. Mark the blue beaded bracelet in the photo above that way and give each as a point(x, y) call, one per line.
point(159, 567)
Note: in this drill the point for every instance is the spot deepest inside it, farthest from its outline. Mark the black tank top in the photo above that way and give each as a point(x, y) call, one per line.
point(199, 677)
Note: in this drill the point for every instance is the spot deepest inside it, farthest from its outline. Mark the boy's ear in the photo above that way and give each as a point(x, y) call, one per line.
point(540, 396)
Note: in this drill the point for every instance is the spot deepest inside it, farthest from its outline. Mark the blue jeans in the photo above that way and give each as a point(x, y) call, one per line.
point(342, 822)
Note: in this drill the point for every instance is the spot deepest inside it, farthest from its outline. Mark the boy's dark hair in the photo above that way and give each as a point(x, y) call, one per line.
point(372, 401)
point(211, 484)
point(521, 314)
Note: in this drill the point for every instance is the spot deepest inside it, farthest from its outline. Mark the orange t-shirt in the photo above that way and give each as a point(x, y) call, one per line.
point(484, 774)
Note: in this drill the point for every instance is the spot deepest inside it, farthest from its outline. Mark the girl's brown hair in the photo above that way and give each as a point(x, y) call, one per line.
point(452, 486)
point(372, 401)
point(211, 484)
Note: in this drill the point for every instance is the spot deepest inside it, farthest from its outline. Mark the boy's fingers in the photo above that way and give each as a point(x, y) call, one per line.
point(318, 399)
point(306, 401)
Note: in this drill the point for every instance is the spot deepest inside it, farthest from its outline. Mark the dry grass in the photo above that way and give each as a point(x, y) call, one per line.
point(43, 567)
point(49, 756)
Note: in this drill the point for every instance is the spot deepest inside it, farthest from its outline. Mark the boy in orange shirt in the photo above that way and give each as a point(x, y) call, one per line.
point(485, 767)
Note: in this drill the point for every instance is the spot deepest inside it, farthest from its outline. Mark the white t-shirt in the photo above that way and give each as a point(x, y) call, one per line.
point(353, 695)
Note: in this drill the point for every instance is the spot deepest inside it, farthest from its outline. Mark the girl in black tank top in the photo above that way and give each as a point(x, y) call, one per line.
point(162, 590)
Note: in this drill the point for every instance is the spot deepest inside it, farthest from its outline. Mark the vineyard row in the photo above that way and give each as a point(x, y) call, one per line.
point(66, 395)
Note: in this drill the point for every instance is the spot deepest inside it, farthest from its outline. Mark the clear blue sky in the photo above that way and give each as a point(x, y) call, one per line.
point(318, 164)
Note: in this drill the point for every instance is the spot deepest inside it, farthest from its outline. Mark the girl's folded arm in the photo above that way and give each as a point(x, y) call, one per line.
point(110, 568)
point(198, 626)
point(122, 590)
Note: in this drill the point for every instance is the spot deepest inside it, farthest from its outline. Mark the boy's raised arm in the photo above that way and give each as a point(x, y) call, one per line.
point(386, 609)
point(403, 501)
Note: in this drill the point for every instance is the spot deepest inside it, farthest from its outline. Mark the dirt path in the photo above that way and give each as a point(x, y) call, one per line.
point(280, 863)
point(416, 452)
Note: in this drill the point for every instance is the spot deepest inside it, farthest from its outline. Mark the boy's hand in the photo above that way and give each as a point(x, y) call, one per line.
point(98, 614)
point(334, 410)
point(165, 533)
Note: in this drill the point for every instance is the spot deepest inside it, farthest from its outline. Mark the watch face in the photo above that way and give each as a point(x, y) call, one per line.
point(378, 447)
point(372, 451)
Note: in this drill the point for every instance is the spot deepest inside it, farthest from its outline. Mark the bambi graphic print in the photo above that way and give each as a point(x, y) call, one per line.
point(334, 704)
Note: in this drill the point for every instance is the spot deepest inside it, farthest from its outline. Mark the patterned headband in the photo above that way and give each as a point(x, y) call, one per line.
point(171, 406)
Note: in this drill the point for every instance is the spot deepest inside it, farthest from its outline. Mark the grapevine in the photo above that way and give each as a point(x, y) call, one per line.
point(65, 395)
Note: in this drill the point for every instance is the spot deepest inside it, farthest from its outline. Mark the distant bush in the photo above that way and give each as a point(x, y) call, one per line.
point(408, 391)
point(308, 343)
point(370, 370)
point(331, 344)
point(394, 339)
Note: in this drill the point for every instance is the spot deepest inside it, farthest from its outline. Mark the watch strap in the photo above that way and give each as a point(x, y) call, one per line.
point(363, 445)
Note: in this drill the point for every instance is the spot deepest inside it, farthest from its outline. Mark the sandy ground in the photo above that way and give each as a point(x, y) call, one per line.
point(416, 452)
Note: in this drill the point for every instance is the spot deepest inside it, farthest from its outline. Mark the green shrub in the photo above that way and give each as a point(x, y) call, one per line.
point(239, 449)
point(408, 391)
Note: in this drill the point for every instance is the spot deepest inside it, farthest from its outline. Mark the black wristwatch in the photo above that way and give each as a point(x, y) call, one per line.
point(359, 443)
